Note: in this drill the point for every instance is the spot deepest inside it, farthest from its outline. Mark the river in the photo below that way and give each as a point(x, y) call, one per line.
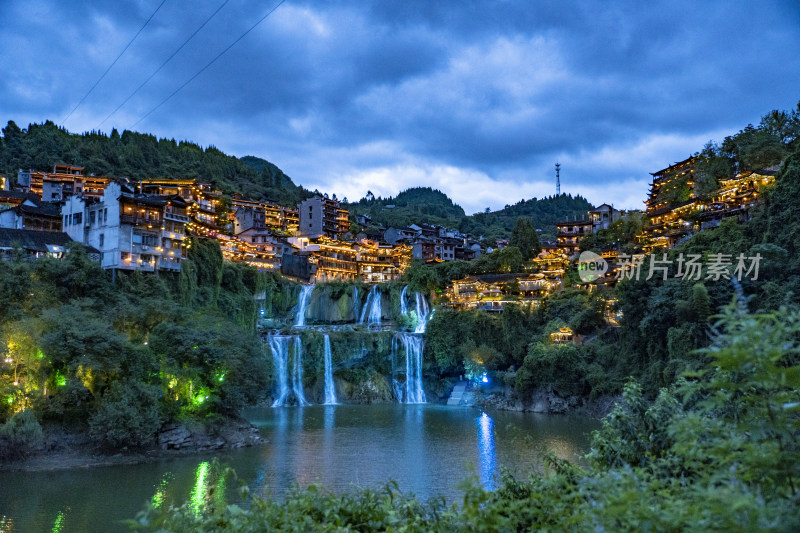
point(426, 449)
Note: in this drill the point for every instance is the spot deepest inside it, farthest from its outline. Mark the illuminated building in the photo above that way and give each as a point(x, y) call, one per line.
point(492, 292)
point(670, 202)
point(131, 231)
point(31, 214)
point(322, 216)
point(63, 182)
point(570, 232)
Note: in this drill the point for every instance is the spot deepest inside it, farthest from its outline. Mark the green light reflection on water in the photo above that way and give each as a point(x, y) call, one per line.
point(58, 525)
point(161, 490)
point(197, 500)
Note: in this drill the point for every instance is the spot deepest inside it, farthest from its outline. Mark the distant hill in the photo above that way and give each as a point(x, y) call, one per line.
point(543, 213)
point(427, 205)
point(412, 206)
point(139, 155)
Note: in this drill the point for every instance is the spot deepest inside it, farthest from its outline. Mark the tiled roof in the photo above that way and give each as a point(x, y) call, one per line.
point(32, 240)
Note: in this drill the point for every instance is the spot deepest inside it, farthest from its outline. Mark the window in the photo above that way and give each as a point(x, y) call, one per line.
point(76, 218)
point(101, 240)
point(91, 217)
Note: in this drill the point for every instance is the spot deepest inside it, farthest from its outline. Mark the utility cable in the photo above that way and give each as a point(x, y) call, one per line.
point(114, 63)
point(164, 63)
point(187, 82)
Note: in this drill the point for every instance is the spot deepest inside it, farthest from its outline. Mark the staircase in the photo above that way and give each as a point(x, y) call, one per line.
point(458, 394)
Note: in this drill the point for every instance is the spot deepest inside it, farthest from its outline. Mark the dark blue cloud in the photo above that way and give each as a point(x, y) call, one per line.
point(500, 89)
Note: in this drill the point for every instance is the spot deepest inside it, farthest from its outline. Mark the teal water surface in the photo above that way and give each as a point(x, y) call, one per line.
point(427, 449)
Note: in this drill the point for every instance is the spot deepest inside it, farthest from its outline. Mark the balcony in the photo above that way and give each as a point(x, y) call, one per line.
point(137, 220)
point(151, 249)
point(172, 235)
point(177, 217)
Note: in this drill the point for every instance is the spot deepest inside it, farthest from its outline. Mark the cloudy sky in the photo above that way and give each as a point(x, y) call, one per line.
point(478, 99)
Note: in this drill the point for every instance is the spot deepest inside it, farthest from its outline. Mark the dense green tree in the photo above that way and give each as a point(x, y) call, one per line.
point(524, 237)
point(137, 155)
point(129, 415)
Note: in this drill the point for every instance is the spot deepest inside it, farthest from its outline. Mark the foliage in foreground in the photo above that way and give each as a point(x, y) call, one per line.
point(718, 452)
point(117, 358)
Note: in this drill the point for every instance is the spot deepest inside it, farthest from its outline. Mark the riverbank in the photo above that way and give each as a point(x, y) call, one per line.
point(63, 449)
point(547, 401)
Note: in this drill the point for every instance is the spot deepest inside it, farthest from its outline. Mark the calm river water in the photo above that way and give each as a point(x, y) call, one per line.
point(426, 449)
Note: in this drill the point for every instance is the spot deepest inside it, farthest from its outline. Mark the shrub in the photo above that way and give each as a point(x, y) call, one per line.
point(129, 415)
point(22, 433)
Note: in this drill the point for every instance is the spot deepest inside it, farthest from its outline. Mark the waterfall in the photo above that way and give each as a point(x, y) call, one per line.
point(403, 304)
point(355, 301)
point(398, 390)
point(330, 389)
point(372, 308)
point(422, 313)
point(411, 391)
point(279, 346)
point(297, 375)
point(302, 302)
point(375, 310)
point(365, 309)
point(413, 344)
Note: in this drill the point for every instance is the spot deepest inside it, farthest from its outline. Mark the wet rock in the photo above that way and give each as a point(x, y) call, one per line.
point(174, 437)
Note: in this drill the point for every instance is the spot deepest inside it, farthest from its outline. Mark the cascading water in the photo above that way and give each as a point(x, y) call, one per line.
point(413, 345)
point(366, 308)
point(375, 309)
point(407, 347)
point(297, 374)
point(279, 346)
point(330, 389)
point(302, 302)
point(355, 301)
point(422, 313)
point(403, 303)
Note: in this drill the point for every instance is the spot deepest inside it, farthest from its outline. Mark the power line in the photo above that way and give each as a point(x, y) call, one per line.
point(114, 63)
point(187, 82)
point(164, 63)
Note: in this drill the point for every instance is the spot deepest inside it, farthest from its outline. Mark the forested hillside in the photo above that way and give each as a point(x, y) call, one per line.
point(543, 213)
point(116, 359)
point(426, 205)
point(138, 155)
point(412, 206)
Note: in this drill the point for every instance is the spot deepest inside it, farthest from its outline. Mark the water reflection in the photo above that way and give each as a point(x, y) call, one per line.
point(426, 449)
point(487, 456)
point(58, 525)
point(161, 491)
point(197, 499)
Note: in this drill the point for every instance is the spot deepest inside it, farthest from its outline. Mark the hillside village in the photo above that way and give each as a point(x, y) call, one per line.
point(145, 225)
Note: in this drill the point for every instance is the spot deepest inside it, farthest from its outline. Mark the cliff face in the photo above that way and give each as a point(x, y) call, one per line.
point(329, 304)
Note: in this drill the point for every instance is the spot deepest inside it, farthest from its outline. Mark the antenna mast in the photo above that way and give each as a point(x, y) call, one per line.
point(558, 179)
